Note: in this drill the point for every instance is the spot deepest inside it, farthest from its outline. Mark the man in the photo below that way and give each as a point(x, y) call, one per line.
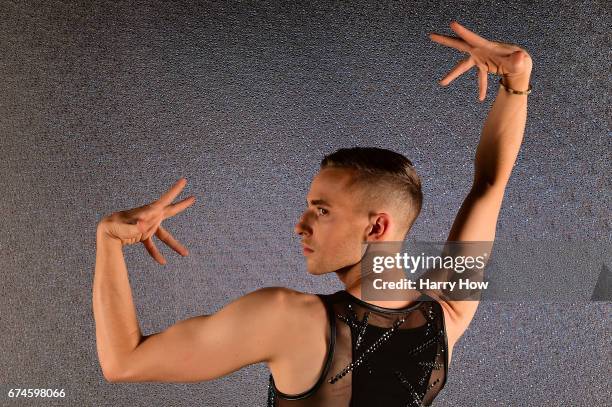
point(311, 343)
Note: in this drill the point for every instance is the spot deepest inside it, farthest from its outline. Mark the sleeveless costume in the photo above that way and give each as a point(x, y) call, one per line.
point(377, 356)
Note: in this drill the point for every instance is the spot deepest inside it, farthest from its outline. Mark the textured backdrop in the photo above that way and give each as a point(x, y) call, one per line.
point(103, 106)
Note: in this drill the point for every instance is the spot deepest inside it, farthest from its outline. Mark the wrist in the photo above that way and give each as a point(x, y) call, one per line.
point(102, 231)
point(517, 82)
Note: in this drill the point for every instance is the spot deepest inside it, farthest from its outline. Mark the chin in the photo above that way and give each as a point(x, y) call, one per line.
point(314, 269)
point(317, 270)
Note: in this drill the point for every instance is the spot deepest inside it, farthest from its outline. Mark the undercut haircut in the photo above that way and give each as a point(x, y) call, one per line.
point(385, 177)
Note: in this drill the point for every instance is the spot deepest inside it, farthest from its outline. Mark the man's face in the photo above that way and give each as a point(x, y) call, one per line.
point(333, 225)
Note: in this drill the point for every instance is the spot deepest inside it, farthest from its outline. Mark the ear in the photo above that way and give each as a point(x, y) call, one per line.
point(378, 226)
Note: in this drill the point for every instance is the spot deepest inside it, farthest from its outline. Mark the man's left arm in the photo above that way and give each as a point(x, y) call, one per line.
point(497, 150)
point(502, 134)
point(496, 154)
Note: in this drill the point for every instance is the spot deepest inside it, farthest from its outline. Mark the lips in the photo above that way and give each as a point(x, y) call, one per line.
point(306, 249)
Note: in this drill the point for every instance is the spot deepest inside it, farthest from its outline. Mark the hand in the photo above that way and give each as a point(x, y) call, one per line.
point(495, 57)
point(139, 224)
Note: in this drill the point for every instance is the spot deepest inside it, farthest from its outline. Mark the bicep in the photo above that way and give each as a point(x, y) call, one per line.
point(477, 218)
point(475, 222)
point(209, 346)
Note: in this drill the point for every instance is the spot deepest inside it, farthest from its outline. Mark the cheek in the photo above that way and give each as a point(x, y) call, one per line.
point(347, 243)
point(337, 234)
point(337, 237)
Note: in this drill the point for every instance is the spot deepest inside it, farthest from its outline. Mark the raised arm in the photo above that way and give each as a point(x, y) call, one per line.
point(253, 328)
point(250, 329)
point(498, 148)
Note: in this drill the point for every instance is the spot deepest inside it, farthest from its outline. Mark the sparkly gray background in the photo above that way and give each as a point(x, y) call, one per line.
point(103, 106)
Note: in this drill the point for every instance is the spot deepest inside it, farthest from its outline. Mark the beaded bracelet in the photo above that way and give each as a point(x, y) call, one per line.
point(516, 92)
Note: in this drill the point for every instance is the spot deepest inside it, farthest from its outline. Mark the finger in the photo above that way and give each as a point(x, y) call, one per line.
point(173, 209)
point(168, 197)
point(153, 251)
point(460, 68)
point(452, 42)
point(470, 37)
point(165, 236)
point(482, 82)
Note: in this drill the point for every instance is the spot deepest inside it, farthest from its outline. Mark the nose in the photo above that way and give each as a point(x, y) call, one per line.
point(302, 227)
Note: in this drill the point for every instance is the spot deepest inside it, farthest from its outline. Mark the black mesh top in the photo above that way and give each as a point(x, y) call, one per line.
point(377, 356)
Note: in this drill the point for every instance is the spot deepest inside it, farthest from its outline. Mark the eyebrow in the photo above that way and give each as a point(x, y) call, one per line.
point(318, 202)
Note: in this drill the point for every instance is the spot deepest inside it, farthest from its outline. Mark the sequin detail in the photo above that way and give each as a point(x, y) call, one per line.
point(429, 367)
point(271, 394)
point(427, 343)
point(415, 378)
point(430, 317)
point(417, 397)
point(432, 365)
point(353, 322)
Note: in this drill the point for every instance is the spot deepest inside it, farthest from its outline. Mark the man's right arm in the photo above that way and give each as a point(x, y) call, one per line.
point(248, 330)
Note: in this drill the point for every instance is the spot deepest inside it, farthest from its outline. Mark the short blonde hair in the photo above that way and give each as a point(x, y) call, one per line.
point(383, 174)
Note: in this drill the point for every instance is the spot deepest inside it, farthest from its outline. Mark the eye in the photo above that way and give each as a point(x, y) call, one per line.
point(322, 211)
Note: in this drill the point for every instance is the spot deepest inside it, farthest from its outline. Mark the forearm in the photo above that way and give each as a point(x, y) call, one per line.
point(117, 329)
point(502, 134)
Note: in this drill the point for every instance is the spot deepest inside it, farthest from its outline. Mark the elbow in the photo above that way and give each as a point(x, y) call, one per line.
point(125, 376)
point(484, 181)
point(119, 377)
point(113, 374)
point(117, 368)
point(111, 377)
point(481, 186)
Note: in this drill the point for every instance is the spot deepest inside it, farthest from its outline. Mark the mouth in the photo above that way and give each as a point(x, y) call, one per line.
point(306, 250)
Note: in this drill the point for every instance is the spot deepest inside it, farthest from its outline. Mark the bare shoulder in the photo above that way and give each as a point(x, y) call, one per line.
point(300, 317)
point(290, 306)
point(305, 326)
point(298, 305)
point(288, 296)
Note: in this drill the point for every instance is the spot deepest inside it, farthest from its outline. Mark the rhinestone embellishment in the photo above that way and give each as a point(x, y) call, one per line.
point(418, 387)
point(432, 365)
point(417, 397)
point(353, 322)
point(271, 395)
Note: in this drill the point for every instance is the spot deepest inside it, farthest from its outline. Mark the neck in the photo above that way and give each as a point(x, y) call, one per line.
point(351, 277)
